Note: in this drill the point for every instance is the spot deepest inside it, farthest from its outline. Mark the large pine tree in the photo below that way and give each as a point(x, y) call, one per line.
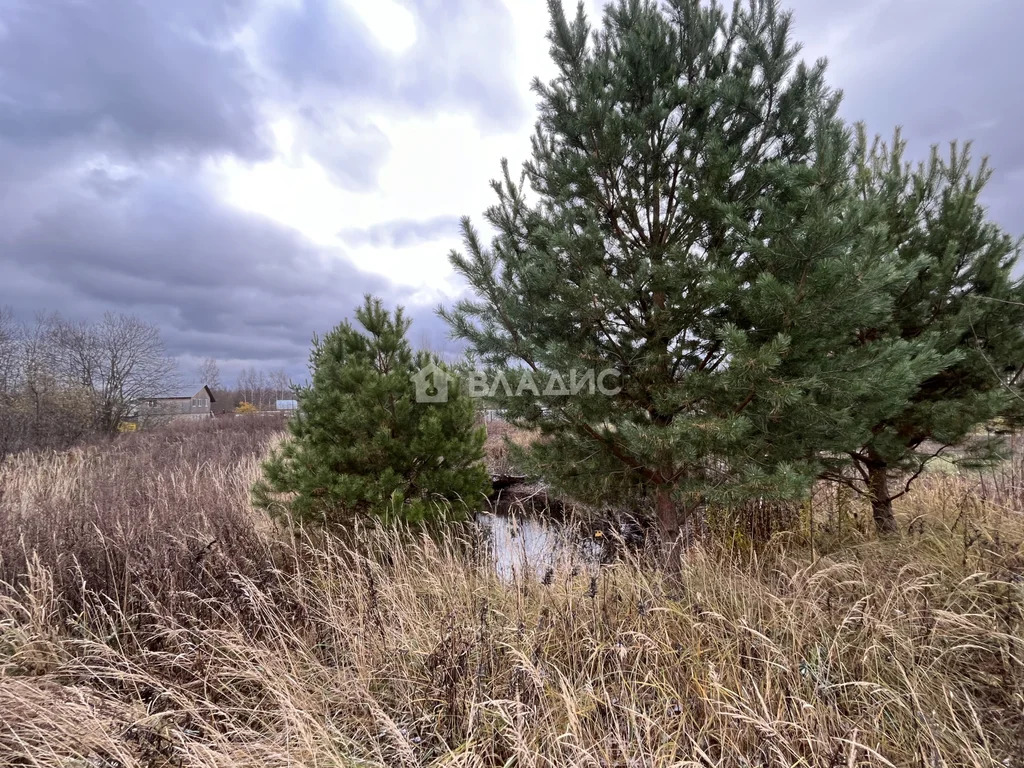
point(361, 444)
point(962, 300)
point(692, 222)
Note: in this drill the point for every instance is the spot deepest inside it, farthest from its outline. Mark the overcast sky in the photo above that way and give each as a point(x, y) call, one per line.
point(240, 172)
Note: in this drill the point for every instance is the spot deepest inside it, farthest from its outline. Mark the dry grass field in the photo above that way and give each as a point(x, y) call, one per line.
point(149, 617)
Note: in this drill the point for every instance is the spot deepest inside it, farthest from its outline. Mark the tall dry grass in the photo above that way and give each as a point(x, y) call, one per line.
point(391, 648)
point(149, 514)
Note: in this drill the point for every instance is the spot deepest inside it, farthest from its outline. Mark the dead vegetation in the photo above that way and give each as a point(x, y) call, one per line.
point(500, 436)
point(143, 517)
point(127, 639)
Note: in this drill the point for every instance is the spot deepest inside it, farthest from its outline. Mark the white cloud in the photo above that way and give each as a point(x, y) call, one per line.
point(393, 25)
point(438, 164)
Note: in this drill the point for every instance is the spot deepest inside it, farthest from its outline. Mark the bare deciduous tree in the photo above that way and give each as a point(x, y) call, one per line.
point(208, 372)
point(121, 359)
point(263, 389)
point(280, 384)
point(9, 340)
point(248, 385)
point(38, 408)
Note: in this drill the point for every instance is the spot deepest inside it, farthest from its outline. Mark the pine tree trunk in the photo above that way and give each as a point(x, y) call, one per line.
point(881, 502)
point(668, 517)
point(668, 527)
point(675, 527)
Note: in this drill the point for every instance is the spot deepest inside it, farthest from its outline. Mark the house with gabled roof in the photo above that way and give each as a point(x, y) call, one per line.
point(189, 402)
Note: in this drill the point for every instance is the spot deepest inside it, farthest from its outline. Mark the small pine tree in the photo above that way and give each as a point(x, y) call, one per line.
point(962, 301)
point(696, 228)
point(361, 444)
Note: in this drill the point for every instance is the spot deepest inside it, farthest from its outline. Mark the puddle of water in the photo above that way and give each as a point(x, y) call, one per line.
point(526, 546)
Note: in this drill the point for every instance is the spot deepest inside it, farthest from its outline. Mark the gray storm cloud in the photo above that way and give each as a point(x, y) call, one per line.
point(111, 109)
